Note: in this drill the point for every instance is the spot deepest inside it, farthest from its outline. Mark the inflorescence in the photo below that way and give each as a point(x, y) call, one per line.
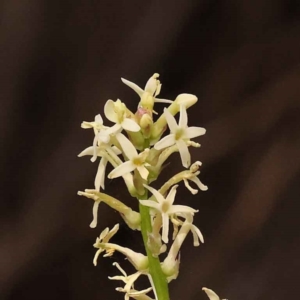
point(137, 151)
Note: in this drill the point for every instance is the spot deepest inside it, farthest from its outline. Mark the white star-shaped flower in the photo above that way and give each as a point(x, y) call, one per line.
point(136, 161)
point(101, 133)
point(165, 207)
point(100, 176)
point(129, 281)
point(152, 89)
point(104, 237)
point(192, 176)
point(180, 135)
point(116, 113)
point(138, 260)
point(197, 235)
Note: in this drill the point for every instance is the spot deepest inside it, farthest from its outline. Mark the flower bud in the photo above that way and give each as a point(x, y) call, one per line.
point(186, 99)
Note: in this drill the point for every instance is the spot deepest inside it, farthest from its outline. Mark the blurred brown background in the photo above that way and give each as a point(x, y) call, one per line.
point(60, 62)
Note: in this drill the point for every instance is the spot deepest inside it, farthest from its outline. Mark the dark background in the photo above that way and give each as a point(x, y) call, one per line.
point(60, 62)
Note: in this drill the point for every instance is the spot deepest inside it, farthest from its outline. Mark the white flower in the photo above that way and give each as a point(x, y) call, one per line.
point(101, 133)
point(116, 113)
point(138, 260)
point(97, 124)
point(166, 208)
point(180, 135)
point(140, 295)
point(197, 235)
point(100, 176)
point(170, 266)
point(211, 294)
point(192, 176)
point(104, 237)
point(136, 161)
point(152, 89)
point(129, 283)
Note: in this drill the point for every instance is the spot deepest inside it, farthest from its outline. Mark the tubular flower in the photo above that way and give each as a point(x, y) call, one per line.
point(136, 161)
point(180, 135)
point(165, 207)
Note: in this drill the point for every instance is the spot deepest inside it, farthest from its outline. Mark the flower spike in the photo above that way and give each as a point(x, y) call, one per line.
point(135, 148)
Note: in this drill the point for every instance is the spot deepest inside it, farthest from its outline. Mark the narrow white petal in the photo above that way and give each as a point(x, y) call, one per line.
point(114, 129)
point(211, 294)
point(197, 234)
point(109, 111)
point(171, 196)
point(171, 121)
point(127, 146)
point(98, 119)
point(131, 279)
point(165, 228)
point(130, 125)
point(122, 169)
point(134, 294)
point(158, 100)
point(100, 176)
point(187, 185)
point(103, 136)
point(181, 209)
point(165, 142)
point(95, 214)
point(193, 132)
point(103, 234)
point(158, 89)
point(86, 151)
point(159, 197)
point(134, 86)
point(116, 150)
point(95, 148)
point(153, 286)
point(150, 203)
point(96, 256)
point(86, 125)
point(151, 84)
point(183, 118)
point(200, 185)
point(119, 268)
point(184, 153)
point(143, 172)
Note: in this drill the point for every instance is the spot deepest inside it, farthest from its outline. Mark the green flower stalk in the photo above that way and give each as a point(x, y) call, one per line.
point(137, 149)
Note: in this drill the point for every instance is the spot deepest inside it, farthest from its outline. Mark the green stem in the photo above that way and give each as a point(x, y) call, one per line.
point(159, 279)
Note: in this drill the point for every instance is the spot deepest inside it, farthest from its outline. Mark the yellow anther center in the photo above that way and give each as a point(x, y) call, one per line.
point(178, 134)
point(137, 161)
point(165, 206)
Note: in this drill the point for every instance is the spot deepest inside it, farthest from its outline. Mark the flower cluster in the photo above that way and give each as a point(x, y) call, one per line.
point(135, 147)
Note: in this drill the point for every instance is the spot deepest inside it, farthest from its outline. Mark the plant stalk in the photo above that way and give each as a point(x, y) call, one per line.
point(159, 279)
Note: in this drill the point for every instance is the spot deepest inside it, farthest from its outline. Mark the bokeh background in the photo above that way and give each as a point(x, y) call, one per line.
point(60, 62)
